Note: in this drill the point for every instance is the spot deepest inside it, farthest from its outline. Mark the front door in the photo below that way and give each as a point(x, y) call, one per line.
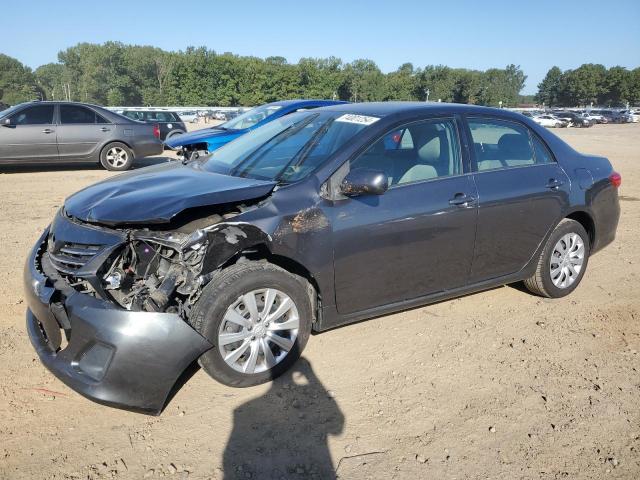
point(30, 135)
point(418, 237)
point(522, 193)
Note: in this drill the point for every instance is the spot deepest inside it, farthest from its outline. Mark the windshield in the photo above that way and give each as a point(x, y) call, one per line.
point(10, 110)
point(250, 118)
point(288, 148)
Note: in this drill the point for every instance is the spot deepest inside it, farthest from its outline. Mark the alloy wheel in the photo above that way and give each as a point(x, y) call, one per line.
point(567, 260)
point(258, 330)
point(117, 157)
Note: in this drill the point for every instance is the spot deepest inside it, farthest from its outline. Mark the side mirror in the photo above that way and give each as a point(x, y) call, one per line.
point(5, 121)
point(363, 181)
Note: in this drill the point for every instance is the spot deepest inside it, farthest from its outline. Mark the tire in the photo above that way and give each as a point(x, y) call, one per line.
point(546, 282)
point(223, 298)
point(116, 157)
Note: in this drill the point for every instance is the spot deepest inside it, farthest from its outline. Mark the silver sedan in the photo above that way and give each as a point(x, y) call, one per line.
point(51, 132)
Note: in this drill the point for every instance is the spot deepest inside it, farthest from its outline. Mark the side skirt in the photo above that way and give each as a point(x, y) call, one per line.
point(332, 319)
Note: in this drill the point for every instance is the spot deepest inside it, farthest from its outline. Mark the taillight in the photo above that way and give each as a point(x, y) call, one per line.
point(156, 130)
point(616, 179)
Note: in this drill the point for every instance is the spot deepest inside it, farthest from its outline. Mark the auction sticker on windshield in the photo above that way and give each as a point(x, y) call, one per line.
point(359, 119)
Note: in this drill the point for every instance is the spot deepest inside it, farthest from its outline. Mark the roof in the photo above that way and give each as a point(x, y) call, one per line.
point(287, 103)
point(382, 109)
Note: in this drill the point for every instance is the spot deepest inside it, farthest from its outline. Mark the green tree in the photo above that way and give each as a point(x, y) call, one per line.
point(401, 84)
point(617, 87)
point(584, 85)
point(49, 78)
point(550, 89)
point(17, 82)
point(362, 82)
point(634, 86)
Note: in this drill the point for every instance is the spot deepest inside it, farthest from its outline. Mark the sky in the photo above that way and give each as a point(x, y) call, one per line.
point(458, 33)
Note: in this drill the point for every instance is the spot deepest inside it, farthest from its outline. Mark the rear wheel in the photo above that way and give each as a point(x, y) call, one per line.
point(258, 316)
point(562, 262)
point(116, 157)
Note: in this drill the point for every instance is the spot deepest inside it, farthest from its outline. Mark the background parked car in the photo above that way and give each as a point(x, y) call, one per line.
point(188, 117)
point(595, 117)
point(45, 132)
point(628, 116)
point(548, 120)
point(209, 139)
point(574, 119)
point(612, 116)
point(169, 122)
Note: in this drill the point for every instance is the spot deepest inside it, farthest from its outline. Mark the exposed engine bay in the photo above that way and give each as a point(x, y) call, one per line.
point(156, 270)
point(157, 274)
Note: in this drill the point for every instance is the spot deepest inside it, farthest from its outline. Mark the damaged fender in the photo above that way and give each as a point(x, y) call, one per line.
point(227, 239)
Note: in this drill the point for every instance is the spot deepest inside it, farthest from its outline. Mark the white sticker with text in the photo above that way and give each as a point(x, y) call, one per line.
point(359, 119)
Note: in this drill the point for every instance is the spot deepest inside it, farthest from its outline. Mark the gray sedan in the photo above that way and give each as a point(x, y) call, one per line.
point(50, 132)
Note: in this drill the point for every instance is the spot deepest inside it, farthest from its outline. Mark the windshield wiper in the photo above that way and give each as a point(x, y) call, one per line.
point(300, 156)
point(266, 148)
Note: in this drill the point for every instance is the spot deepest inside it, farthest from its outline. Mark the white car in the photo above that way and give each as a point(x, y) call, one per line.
point(629, 116)
point(189, 117)
point(549, 121)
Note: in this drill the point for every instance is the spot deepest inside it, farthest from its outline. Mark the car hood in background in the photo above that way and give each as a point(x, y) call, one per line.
point(200, 136)
point(156, 194)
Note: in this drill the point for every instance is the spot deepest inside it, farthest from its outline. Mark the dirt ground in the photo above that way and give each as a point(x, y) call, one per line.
point(500, 384)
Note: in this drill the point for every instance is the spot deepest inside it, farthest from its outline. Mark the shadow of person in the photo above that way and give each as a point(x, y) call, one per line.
point(283, 434)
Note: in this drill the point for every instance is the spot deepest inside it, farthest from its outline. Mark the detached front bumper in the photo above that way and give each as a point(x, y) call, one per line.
point(116, 357)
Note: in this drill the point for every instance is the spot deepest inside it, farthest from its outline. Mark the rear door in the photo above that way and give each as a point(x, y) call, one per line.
point(80, 132)
point(31, 135)
point(522, 193)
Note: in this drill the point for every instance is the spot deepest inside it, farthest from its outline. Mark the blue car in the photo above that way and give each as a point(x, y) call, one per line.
point(210, 139)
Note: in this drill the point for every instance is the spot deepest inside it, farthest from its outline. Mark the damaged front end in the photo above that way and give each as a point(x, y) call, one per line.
point(109, 308)
point(155, 272)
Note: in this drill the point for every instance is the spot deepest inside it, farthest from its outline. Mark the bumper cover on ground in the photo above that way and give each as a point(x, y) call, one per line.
point(120, 358)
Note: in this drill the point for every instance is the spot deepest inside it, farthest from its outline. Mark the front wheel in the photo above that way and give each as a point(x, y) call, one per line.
point(562, 262)
point(116, 157)
point(258, 317)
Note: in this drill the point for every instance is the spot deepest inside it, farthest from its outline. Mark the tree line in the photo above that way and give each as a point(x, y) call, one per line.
point(590, 84)
point(117, 74)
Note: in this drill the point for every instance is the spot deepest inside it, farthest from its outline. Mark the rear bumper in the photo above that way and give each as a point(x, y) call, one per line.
point(147, 147)
point(124, 359)
point(606, 212)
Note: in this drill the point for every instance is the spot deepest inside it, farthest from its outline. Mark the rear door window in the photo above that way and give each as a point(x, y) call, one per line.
point(502, 144)
point(36, 115)
point(76, 115)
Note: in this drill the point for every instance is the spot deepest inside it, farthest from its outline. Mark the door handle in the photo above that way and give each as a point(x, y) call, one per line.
point(462, 200)
point(48, 130)
point(554, 183)
point(105, 129)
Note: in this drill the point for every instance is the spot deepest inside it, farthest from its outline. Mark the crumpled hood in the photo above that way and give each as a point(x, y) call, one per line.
point(198, 136)
point(156, 194)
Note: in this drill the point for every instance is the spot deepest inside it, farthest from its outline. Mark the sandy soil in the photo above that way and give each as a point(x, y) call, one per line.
point(500, 384)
